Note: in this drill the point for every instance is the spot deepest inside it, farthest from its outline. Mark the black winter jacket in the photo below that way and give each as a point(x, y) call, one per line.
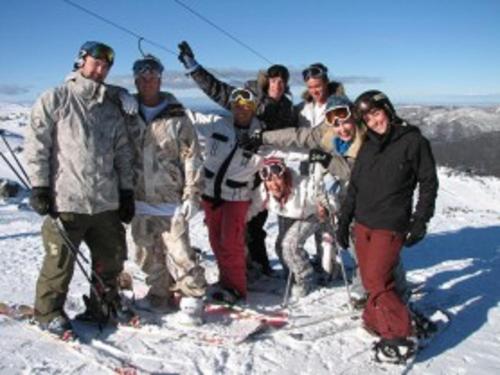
point(384, 177)
point(275, 114)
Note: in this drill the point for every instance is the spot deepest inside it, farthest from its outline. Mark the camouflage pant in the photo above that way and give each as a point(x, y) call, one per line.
point(164, 253)
point(105, 237)
point(292, 235)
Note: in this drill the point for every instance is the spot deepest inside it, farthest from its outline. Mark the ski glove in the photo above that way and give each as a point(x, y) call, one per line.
point(188, 209)
point(342, 234)
point(253, 142)
point(126, 211)
point(186, 56)
point(321, 157)
point(129, 103)
point(416, 233)
point(40, 200)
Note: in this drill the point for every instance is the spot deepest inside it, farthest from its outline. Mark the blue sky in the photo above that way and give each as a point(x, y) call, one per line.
point(445, 51)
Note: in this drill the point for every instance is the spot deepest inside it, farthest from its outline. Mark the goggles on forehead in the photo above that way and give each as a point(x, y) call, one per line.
point(98, 51)
point(337, 115)
point(267, 172)
point(145, 66)
point(313, 72)
point(244, 94)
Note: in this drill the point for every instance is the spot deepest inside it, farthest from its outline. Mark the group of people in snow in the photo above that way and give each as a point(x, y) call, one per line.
point(99, 157)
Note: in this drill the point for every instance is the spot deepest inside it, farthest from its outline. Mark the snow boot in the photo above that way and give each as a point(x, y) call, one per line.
point(59, 326)
point(396, 351)
point(423, 327)
point(190, 311)
point(225, 295)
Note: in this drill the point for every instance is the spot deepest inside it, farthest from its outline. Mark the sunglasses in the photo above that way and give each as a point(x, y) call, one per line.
point(143, 67)
point(242, 94)
point(336, 116)
point(313, 72)
point(100, 51)
point(267, 172)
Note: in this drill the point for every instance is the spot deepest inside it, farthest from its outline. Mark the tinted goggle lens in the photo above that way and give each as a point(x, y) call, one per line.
point(144, 67)
point(103, 53)
point(241, 94)
point(340, 113)
point(269, 170)
point(313, 72)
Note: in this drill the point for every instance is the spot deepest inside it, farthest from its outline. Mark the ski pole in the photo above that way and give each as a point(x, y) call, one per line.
point(344, 276)
point(2, 134)
point(77, 253)
point(14, 170)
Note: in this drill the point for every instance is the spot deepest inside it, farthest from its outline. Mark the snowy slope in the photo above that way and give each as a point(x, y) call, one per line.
point(457, 268)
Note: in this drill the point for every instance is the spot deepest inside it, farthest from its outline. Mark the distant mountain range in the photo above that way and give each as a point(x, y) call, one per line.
point(463, 137)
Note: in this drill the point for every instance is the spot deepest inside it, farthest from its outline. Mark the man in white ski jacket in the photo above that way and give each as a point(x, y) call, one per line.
point(79, 163)
point(168, 181)
point(229, 172)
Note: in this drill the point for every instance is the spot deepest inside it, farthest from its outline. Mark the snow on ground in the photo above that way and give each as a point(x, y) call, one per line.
point(457, 268)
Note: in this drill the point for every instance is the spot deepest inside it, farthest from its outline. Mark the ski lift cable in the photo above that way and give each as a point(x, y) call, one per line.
point(229, 35)
point(120, 27)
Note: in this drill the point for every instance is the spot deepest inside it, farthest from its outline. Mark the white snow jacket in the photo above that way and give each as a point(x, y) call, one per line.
point(229, 171)
point(311, 114)
point(77, 145)
point(167, 159)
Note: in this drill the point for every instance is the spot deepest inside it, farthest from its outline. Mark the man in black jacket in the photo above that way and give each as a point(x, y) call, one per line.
point(274, 109)
point(393, 160)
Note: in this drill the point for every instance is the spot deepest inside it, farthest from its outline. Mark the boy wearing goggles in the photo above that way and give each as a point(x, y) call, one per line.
point(297, 204)
point(80, 164)
point(167, 169)
point(274, 109)
point(229, 173)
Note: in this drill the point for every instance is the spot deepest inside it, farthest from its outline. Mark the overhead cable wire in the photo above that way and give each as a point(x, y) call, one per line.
point(229, 35)
point(120, 27)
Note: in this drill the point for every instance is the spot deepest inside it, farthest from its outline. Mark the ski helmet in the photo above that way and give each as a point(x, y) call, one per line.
point(373, 99)
point(97, 50)
point(147, 63)
point(278, 70)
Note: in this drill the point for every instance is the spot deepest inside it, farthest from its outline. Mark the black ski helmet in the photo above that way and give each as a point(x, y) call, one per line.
point(97, 50)
point(278, 70)
point(373, 99)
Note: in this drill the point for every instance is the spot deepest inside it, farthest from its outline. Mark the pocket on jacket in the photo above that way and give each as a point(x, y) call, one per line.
point(208, 173)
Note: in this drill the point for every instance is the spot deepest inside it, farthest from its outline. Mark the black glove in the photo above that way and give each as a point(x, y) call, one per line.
point(342, 234)
point(40, 200)
point(416, 233)
point(251, 143)
point(186, 55)
point(318, 156)
point(126, 211)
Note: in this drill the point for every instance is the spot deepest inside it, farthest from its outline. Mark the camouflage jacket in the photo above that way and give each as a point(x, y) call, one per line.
point(77, 145)
point(167, 160)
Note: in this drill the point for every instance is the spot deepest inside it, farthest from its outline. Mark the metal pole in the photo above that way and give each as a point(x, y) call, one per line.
point(2, 134)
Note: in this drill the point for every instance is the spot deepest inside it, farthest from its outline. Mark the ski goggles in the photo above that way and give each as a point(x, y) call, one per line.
point(276, 169)
point(313, 72)
point(337, 115)
point(99, 51)
point(243, 97)
point(145, 66)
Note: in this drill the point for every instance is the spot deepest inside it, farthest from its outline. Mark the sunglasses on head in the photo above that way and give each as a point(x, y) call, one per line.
point(100, 51)
point(313, 72)
point(267, 172)
point(143, 67)
point(336, 116)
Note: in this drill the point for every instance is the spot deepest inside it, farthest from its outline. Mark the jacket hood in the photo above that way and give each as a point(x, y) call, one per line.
point(334, 88)
point(85, 87)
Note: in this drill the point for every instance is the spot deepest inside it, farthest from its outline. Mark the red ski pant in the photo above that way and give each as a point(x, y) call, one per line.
point(226, 224)
point(378, 254)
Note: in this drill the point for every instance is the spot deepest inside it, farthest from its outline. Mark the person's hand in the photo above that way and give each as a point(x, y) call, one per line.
point(342, 234)
point(126, 210)
point(40, 200)
point(416, 232)
point(321, 157)
point(188, 209)
point(253, 142)
point(129, 103)
point(186, 56)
